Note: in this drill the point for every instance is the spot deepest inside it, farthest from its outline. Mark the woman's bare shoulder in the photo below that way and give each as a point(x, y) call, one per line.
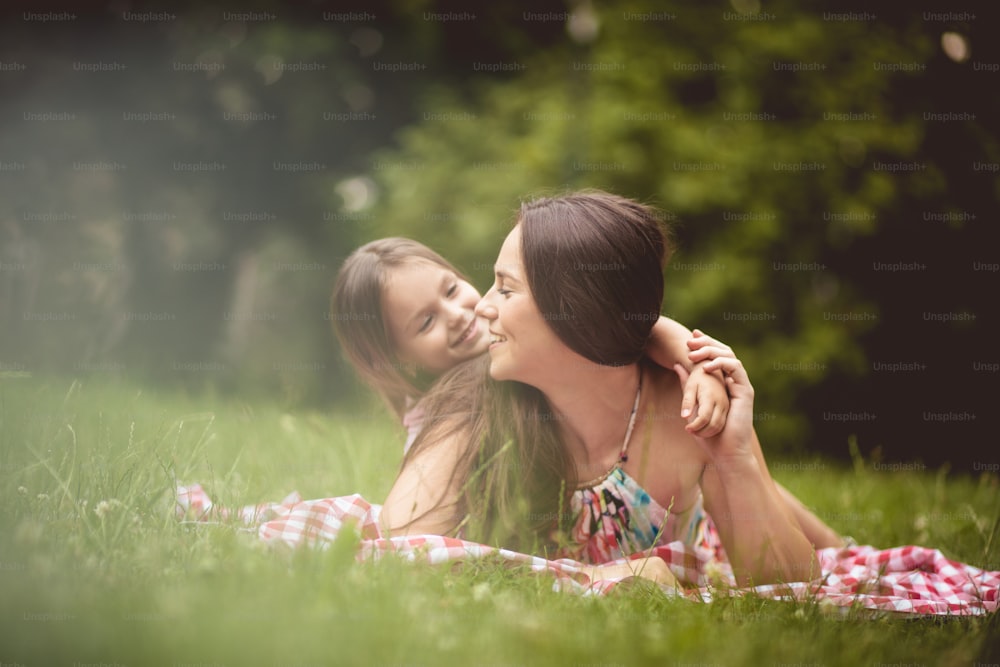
point(678, 461)
point(663, 391)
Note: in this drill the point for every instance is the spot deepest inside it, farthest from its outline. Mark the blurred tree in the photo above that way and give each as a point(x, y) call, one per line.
point(183, 182)
point(793, 154)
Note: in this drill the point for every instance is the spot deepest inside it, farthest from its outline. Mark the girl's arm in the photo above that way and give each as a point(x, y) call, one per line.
point(668, 344)
point(425, 498)
point(705, 397)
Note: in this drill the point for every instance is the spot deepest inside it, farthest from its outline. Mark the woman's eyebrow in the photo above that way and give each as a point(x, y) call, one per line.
point(504, 275)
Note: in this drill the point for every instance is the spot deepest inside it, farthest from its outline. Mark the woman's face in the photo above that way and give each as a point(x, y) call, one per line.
point(431, 316)
point(523, 347)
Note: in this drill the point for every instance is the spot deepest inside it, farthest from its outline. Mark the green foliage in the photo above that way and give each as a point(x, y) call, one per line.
point(744, 156)
point(95, 567)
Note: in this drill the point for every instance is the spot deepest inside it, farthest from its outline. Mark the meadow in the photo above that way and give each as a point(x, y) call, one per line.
point(96, 569)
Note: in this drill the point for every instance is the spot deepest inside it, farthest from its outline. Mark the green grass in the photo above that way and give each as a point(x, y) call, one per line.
point(131, 585)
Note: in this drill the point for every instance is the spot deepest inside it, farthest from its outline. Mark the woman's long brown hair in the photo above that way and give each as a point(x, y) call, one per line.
point(594, 263)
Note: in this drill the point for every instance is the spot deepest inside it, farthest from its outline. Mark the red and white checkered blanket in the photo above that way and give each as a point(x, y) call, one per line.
point(907, 580)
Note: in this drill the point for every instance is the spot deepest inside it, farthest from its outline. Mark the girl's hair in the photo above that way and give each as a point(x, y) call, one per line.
point(593, 262)
point(512, 465)
point(359, 320)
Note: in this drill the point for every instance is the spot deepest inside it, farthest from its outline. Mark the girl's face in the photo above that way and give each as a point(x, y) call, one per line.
point(523, 346)
point(431, 316)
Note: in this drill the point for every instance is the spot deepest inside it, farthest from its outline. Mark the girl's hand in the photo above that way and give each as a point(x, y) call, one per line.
point(706, 396)
point(706, 401)
point(736, 437)
point(701, 341)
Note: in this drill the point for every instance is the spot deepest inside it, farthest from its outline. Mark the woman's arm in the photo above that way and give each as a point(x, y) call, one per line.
point(816, 531)
point(653, 568)
point(759, 531)
point(705, 397)
point(762, 539)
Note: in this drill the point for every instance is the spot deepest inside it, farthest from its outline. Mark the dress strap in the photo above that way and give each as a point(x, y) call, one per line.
point(623, 456)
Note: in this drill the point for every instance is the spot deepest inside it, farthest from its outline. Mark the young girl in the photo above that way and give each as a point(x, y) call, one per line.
point(404, 315)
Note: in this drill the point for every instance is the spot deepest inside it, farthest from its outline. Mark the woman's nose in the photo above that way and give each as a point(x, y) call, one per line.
point(485, 307)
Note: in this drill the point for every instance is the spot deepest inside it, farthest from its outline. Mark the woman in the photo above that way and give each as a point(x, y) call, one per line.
point(579, 448)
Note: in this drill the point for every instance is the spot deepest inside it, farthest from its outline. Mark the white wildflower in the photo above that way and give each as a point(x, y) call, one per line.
point(106, 506)
point(102, 508)
point(480, 591)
